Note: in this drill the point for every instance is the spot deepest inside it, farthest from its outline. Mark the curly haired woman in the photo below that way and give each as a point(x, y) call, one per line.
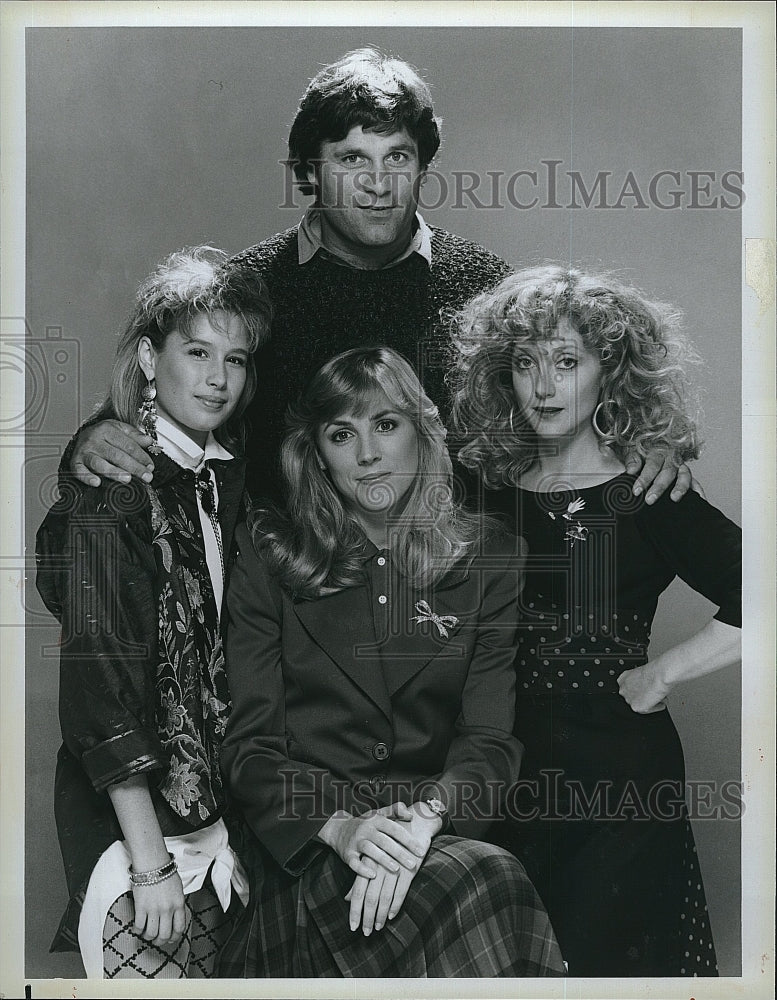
point(558, 375)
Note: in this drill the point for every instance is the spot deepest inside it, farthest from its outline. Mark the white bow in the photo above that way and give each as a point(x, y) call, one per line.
point(443, 622)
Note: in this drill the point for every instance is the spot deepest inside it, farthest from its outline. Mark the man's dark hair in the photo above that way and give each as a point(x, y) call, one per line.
point(364, 88)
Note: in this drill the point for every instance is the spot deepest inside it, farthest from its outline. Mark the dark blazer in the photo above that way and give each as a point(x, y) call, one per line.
point(325, 717)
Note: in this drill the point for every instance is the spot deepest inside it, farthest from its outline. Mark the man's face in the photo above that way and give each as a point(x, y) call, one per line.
point(367, 185)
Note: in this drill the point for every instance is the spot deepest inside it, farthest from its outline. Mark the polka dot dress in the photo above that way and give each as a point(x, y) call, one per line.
point(622, 881)
point(699, 951)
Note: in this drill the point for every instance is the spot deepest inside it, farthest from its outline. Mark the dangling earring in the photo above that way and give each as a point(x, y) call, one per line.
point(147, 415)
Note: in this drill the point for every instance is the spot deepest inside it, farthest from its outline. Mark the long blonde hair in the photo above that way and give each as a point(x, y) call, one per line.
point(318, 545)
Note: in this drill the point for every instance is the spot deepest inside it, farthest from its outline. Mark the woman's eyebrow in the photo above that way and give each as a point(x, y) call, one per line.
point(348, 421)
point(546, 347)
point(384, 413)
point(200, 342)
point(338, 422)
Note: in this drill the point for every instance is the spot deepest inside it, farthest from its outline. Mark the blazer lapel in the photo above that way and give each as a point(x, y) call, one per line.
point(336, 624)
point(418, 632)
point(230, 479)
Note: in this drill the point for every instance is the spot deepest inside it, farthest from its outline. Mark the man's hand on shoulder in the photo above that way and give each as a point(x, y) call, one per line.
point(658, 473)
point(112, 450)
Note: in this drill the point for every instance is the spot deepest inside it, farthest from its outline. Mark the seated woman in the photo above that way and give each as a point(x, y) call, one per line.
point(559, 374)
point(369, 652)
point(135, 574)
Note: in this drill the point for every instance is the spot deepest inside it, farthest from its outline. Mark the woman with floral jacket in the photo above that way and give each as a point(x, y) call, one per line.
point(135, 574)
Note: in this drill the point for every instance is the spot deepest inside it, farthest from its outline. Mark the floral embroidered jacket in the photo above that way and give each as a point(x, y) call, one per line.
point(142, 681)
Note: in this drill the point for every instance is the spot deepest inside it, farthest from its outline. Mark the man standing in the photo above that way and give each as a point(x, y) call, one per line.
point(362, 267)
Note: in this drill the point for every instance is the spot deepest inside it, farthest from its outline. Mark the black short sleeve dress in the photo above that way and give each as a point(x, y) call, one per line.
point(599, 818)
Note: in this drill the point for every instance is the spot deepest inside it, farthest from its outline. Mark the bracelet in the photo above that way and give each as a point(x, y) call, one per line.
point(155, 875)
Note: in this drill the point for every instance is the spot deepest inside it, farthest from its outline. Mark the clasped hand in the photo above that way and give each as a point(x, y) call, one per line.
point(374, 900)
point(373, 839)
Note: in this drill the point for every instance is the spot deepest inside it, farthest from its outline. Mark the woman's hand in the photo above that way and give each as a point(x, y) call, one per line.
point(113, 450)
point(715, 646)
point(374, 901)
point(644, 689)
point(160, 911)
point(373, 837)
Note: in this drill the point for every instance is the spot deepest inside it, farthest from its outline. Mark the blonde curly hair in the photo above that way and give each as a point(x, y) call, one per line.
point(646, 395)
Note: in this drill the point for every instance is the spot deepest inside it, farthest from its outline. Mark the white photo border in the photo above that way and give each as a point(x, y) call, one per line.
point(759, 504)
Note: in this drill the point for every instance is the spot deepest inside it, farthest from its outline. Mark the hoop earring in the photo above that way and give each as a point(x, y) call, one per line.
point(147, 412)
point(597, 429)
point(623, 434)
point(510, 416)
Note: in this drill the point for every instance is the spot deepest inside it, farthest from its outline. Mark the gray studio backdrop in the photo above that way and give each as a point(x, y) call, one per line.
point(140, 141)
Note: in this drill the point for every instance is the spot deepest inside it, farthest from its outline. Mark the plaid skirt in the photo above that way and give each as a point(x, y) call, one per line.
point(471, 911)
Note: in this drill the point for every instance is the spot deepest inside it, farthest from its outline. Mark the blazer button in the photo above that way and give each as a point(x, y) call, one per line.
point(380, 751)
point(377, 782)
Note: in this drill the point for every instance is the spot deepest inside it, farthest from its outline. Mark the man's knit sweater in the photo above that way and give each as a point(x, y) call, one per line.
point(323, 307)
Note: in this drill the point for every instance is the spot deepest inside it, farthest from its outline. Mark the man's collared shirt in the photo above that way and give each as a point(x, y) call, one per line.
point(310, 241)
